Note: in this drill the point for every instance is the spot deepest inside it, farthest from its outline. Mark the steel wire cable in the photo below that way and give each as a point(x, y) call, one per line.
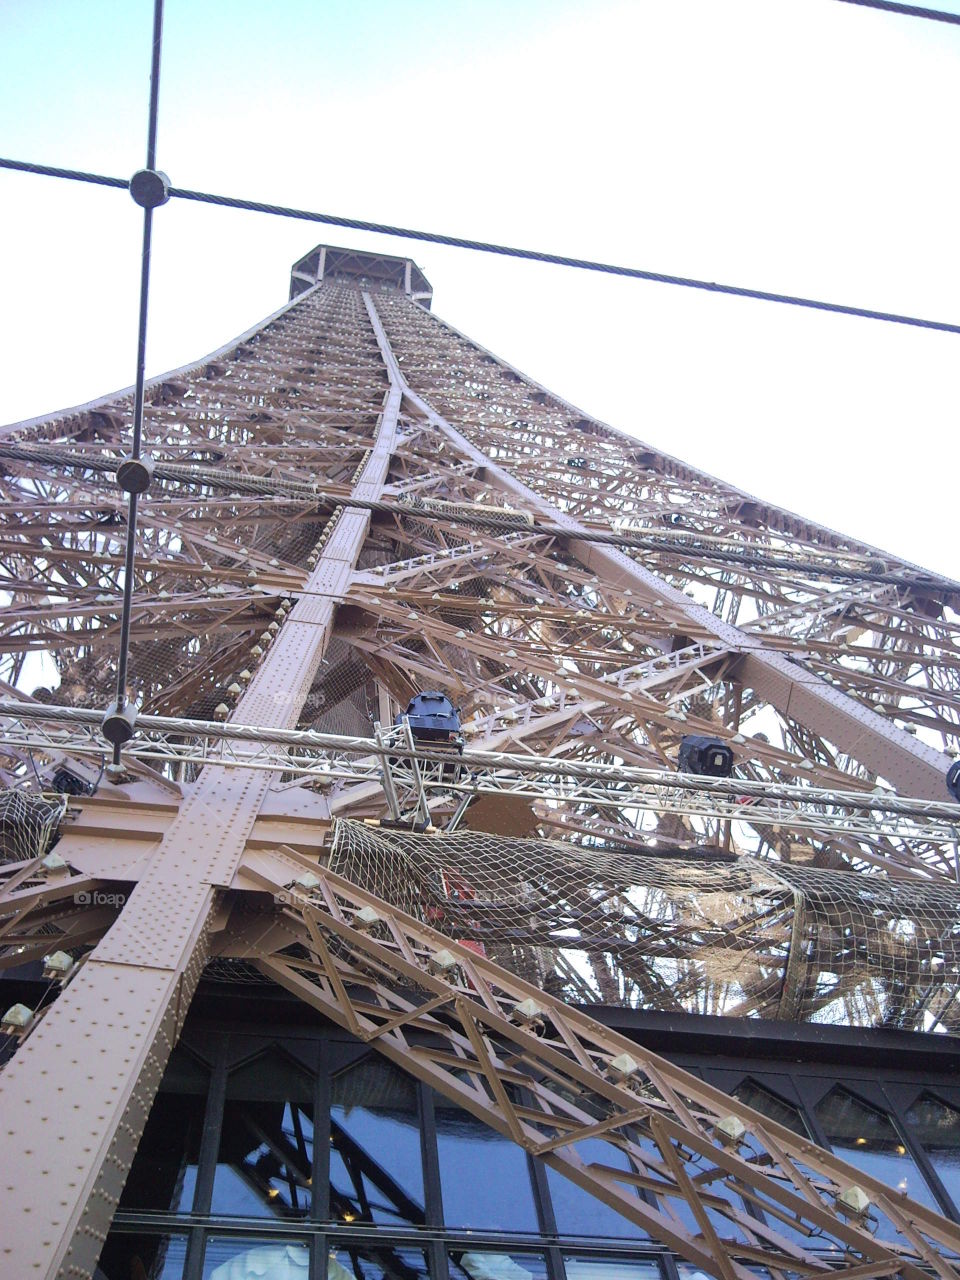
point(908, 10)
point(131, 542)
point(501, 250)
point(684, 546)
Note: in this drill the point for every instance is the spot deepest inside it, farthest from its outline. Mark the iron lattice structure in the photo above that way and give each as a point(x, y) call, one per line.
point(351, 503)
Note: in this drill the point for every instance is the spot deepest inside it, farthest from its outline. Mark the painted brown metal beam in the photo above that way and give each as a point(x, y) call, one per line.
point(478, 1034)
point(119, 1018)
point(912, 766)
point(74, 1115)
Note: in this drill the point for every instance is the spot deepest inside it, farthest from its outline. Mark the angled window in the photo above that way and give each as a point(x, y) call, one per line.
point(768, 1104)
point(265, 1162)
point(237, 1258)
point(156, 1257)
point(867, 1139)
point(164, 1172)
point(937, 1128)
point(382, 1260)
point(686, 1271)
point(774, 1108)
point(581, 1268)
point(577, 1212)
point(484, 1178)
point(376, 1168)
point(477, 1264)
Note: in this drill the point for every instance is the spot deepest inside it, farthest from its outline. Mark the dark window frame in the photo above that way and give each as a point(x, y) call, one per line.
point(326, 1051)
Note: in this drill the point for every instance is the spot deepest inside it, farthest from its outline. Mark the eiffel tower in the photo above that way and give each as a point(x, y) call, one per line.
point(498, 739)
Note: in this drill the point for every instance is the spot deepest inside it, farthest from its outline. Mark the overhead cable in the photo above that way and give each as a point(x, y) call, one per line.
point(908, 10)
point(504, 251)
point(819, 565)
point(149, 198)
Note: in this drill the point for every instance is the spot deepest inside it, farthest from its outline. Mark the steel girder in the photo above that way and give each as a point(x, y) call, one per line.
point(542, 632)
point(547, 1077)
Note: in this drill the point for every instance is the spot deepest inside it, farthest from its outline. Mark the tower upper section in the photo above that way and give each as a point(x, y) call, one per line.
point(371, 270)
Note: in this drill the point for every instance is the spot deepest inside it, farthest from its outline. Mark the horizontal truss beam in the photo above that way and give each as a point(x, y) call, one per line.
point(844, 567)
point(338, 759)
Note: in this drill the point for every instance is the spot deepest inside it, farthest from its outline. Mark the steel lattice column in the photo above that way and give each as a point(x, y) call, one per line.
point(77, 1094)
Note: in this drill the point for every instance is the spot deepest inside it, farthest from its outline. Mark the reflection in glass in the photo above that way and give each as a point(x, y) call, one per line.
point(484, 1177)
point(164, 1172)
point(577, 1212)
point(937, 1128)
point(774, 1108)
point(579, 1268)
point(376, 1262)
point(265, 1162)
point(710, 1177)
point(376, 1172)
point(867, 1139)
point(144, 1256)
point(239, 1259)
point(687, 1271)
point(769, 1105)
point(477, 1265)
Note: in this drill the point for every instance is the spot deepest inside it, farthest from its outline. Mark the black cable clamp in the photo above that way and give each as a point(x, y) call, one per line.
point(118, 723)
point(134, 474)
point(150, 188)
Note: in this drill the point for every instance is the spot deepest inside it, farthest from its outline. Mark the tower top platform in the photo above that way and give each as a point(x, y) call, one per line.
point(373, 270)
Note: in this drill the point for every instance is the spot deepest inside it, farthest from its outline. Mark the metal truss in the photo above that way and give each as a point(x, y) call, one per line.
point(723, 1186)
point(353, 502)
point(414, 780)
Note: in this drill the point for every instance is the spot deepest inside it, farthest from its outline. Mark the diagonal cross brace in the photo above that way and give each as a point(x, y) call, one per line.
point(455, 1026)
point(915, 768)
point(74, 1117)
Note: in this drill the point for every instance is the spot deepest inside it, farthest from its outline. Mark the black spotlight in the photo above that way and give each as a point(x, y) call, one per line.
point(953, 780)
point(707, 756)
point(69, 784)
point(433, 719)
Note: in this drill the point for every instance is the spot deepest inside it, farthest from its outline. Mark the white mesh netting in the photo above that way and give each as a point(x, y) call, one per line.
point(28, 824)
point(678, 932)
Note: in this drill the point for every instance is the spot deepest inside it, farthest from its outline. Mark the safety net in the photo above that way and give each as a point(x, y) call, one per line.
point(693, 931)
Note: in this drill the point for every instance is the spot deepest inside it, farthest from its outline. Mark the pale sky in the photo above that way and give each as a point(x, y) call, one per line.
point(803, 146)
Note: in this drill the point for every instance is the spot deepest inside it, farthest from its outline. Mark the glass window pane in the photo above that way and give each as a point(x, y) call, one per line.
point(477, 1265)
point(769, 1105)
point(579, 1268)
point(240, 1259)
point(868, 1140)
point(376, 1169)
point(710, 1179)
point(185, 1074)
point(937, 1127)
point(164, 1172)
point(577, 1212)
point(146, 1256)
point(376, 1262)
point(687, 1271)
point(265, 1162)
point(484, 1178)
